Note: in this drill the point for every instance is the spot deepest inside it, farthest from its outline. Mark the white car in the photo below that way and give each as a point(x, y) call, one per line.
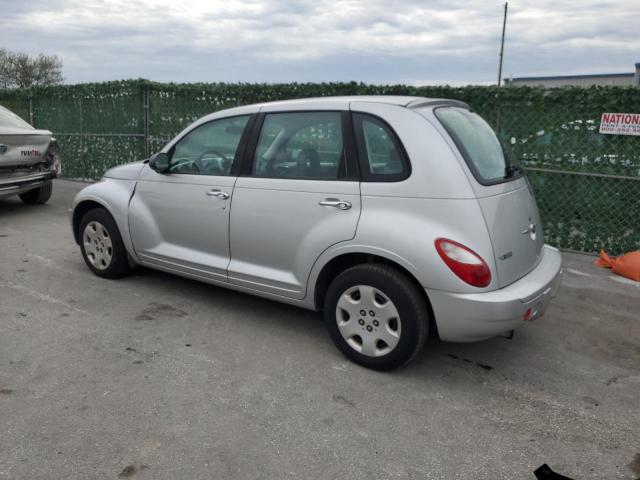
point(396, 216)
point(29, 159)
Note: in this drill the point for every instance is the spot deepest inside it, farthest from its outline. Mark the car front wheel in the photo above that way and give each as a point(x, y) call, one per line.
point(376, 316)
point(101, 245)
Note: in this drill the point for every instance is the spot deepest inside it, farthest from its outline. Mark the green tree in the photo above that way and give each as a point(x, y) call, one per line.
point(20, 70)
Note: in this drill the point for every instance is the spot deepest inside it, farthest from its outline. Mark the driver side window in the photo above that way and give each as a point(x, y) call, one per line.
point(209, 149)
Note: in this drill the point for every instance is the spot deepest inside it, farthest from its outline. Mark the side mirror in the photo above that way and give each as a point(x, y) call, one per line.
point(159, 162)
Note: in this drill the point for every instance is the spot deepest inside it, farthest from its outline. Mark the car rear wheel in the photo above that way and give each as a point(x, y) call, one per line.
point(376, 316)
point(37, 195)
point(101, 245)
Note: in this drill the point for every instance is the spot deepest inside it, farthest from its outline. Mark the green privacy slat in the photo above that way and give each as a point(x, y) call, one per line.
point(553, 134)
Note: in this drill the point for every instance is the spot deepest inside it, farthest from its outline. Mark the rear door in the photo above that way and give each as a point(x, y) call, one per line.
point(505, 197)
point(299, 195)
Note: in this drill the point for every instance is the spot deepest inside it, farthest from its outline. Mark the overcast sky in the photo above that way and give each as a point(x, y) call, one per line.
point(373, 41)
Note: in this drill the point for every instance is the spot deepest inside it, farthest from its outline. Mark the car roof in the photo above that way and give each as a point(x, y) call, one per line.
point(331, 102)
point(399, 100)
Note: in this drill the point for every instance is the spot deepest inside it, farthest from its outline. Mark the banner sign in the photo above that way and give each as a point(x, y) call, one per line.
point(620, 123)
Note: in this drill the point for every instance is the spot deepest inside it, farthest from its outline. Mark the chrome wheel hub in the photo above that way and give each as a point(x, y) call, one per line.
point(368, 320)
point(97, 245)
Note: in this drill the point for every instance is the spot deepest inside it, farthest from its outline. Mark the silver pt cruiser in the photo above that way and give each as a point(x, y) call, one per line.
point(395, 216)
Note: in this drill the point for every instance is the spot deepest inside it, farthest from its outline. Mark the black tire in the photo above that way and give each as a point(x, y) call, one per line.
point(408, 300)
point(37, 195)
point(119, 263)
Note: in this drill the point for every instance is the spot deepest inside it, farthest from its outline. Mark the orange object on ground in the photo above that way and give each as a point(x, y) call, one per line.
point(627, 265)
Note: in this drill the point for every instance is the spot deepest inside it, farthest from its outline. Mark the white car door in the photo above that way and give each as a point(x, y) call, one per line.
point(179, 220)
point(299, 196)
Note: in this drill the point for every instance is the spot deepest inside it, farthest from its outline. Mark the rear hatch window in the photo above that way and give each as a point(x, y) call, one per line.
point(11, 120)
point(477, 143)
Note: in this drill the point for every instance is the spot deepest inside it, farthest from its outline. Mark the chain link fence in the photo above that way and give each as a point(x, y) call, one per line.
point(587, 184)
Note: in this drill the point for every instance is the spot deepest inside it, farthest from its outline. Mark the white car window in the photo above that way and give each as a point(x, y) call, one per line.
point(382, 155)
point(209, 149)
point(11, 120)
point(300, 145)
point(477, 142)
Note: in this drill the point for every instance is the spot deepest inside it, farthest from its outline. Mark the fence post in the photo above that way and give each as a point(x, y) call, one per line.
point(145, 119)
point(82, 142)
point(499, 113)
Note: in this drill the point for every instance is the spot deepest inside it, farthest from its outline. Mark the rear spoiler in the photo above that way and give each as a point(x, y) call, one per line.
point(437, 102)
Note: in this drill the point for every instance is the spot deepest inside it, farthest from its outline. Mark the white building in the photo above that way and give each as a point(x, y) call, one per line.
point(603, 79)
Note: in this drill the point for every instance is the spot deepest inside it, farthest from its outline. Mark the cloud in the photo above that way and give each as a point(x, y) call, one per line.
point(302, 40)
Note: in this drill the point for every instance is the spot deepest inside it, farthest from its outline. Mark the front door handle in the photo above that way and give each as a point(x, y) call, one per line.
point(335, 202)
point(218, 194)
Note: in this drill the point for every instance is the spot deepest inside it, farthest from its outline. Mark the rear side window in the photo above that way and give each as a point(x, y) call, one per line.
point(302, 145)
point(477, 143)
point(382, 156)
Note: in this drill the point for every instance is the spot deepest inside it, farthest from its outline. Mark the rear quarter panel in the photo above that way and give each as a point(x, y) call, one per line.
point(409, 227)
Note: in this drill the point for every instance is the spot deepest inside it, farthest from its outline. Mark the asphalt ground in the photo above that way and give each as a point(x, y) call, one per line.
point(159, 377)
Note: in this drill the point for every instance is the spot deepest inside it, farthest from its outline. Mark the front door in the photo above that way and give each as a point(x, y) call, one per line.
point(179, 220)
point(300, 197)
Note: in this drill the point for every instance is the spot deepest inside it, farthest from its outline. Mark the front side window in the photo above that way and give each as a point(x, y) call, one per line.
point(209, 149)
point(477, 143)
point(382, 156)
point(303, 145)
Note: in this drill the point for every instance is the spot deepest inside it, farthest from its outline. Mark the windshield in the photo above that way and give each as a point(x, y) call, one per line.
point(10, 119)
point(476, 141)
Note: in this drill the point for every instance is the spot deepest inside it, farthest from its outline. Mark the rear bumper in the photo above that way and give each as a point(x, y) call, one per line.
point(15, 185)
point(464, 317)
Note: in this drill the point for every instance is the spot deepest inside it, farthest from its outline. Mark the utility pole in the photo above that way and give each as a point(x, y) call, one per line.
point(504, 26)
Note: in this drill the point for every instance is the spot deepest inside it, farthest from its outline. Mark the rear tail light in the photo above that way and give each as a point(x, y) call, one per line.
point(464, 262)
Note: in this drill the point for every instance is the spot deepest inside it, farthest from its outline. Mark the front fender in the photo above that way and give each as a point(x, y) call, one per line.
point(112, 194)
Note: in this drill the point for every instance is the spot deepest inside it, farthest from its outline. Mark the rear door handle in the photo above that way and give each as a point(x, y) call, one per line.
point(336, 203)
point(218, 194)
